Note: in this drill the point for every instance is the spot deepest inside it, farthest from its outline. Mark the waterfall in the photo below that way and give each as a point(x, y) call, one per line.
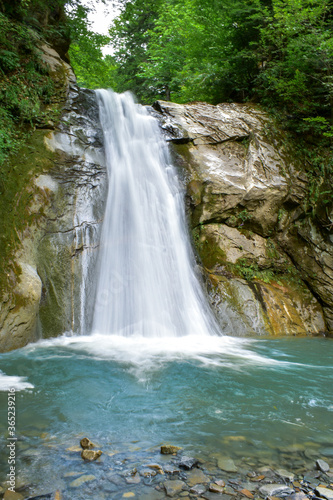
point(146, 281)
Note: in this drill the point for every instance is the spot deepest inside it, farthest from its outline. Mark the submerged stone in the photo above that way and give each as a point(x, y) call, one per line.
point(173, 488)
point(196, 476)
point(324, 492)
point(198, 489)
point(226, 464)
point(171, 469)
point(269, 490)
point(81, 480)
point(322, 465)
point(215, 488)
point(187, 462)
point(168, 449)
point(284, 474)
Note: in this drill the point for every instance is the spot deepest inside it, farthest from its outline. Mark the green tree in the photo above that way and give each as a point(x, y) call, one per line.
point(297, 48)
point(130, 36)
point(92, 69)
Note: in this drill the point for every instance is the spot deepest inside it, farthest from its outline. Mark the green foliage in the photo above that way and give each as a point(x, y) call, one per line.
point(130, 35)
point(25, 86)
point(26, 96)
point(92, 70)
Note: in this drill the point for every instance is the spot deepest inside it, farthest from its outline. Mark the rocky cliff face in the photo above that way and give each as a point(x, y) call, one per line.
point(270, 266)
point(58, 245)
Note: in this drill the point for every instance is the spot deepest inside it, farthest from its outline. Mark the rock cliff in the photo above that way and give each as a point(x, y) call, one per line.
point(61, 230)
point(268, 263)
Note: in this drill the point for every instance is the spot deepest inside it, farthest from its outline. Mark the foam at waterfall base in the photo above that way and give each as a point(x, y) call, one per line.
point(140, 354)
point(8, 382)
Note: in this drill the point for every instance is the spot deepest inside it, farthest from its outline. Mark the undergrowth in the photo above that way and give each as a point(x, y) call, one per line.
point(26, 92)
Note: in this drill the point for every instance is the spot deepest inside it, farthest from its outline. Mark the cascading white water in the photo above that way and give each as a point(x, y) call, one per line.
point(146, 283)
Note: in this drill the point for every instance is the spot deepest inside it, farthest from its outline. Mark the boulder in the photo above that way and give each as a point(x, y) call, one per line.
point(18, 319)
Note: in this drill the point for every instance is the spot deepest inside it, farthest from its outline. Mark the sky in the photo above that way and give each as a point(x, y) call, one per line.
point(101, 17)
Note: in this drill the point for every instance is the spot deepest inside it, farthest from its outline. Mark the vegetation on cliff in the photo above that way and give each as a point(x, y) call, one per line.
point(28, 96)
point(277, 53)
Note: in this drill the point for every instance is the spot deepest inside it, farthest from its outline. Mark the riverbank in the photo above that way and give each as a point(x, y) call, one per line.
point(299, 473)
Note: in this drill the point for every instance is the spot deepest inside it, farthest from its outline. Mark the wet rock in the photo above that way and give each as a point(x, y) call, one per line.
point(327, 452)
point(187, 462)
point(198, 489)
point(173, 488)
point(148, 472)
point(86, 444)
point(257, 479)
point(171, 469)
point(226, 464)
point(230, 491)
point(134, 479)
point(249, 486)
point(241, 188)
point(285, 475)
point(324, 492)
point(220, 482)
point(196, 476)
point(156, 467)
point(12, 495)
point(208, 495)
point(168, 449)
point(91, 455)
point(245, 492)
point(322, 465)
point(215, 488)
point(115, 479)
point(81, 480)
point(269, 490)
point(18, 315)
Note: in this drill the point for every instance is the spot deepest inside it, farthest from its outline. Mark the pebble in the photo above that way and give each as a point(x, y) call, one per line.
point(173, 488)
point(168, 449)
point(198, 489)
point(298, 496)
point(257, 479)
point(91, 454)
point(86, 444)
point(269, 490)
point(196, 476)
point(82, 479)
point(148, 472)
point(322, 465)
point(226, 464)
point(135, 479)
point(129, 494)
point(324, 492)
point(284, 474)
point(156, 467)
point(187, 462)
point(215, 488)
point(220, 482)
point(170, 469)
point(246, 493)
